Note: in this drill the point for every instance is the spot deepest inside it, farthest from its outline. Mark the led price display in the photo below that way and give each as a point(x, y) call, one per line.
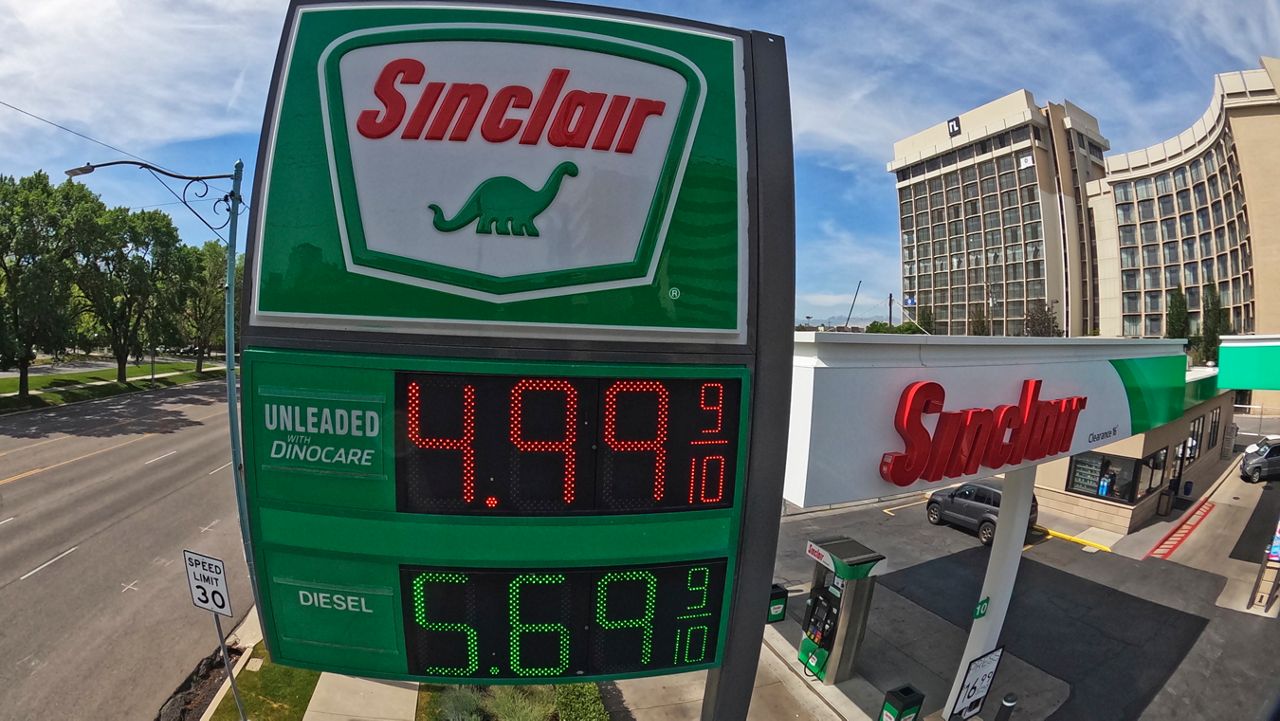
point(557, 623)
point(516, 445)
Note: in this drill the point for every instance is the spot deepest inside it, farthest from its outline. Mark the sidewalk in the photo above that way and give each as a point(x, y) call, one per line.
point(135, 379)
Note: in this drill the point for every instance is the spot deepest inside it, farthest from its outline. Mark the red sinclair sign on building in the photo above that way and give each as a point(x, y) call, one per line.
point(962, 440)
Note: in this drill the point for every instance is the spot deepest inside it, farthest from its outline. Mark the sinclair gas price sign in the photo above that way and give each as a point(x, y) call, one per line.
point(503, 329)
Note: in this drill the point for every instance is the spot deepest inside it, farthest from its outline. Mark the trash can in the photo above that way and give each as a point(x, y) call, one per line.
point(777, 603)
point(901, 704)
point(1187, 487)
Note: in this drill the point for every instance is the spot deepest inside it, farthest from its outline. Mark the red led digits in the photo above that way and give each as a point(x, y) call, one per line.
point(466, 443)
point(699, 479)
point(565, 445)
point(657, 444)
point(718, 406)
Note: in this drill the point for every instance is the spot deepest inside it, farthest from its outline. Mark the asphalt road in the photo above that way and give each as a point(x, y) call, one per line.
point(1136, 640)
point(97, 502)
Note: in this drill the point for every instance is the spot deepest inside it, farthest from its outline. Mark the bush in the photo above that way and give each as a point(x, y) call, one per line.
point(520, 703)
point(460, 703)
point(580, 702)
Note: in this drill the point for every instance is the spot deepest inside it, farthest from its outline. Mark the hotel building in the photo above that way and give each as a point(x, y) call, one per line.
point(1013, 203)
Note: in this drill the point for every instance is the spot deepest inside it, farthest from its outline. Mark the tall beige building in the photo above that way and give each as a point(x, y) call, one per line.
point(1012, 203)
point(992, 212)
point(1200, 212)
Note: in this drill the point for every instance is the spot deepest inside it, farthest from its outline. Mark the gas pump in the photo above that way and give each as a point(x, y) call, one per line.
point(835, 617)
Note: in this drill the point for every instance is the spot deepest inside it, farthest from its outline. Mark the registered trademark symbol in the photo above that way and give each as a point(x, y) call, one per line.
point(674, 293)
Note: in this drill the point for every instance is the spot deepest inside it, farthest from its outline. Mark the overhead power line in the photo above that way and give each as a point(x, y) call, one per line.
point(91, 139)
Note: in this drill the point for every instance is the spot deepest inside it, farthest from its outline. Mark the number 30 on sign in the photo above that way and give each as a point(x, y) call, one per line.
point(207, 577)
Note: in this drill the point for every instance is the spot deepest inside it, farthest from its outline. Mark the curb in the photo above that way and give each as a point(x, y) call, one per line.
point(1190, 512)
point(1073, 539)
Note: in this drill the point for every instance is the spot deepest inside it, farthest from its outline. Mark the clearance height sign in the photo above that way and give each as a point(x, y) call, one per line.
point(503, 368)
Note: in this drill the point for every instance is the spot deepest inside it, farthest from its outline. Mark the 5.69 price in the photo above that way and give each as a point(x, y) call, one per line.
point(561, 623)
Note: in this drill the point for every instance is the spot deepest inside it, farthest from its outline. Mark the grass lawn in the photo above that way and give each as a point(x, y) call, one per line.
point(272, 693)
point(52, 398)
point(56, 380)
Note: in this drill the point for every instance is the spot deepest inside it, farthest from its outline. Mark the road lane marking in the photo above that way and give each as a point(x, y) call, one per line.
point(59, 464)
point(211, 525)
point(228, 463)
point(44, 565)
point(157, 458)
point(10, 518)
point(133, 586)
point(890, 511)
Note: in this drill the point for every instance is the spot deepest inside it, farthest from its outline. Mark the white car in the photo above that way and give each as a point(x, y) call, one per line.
point(1269, 440)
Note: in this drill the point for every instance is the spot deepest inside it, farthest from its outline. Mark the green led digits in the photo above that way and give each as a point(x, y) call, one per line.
point(644, 622)
point(519, 628)
point(699, 585)
point(420, 615)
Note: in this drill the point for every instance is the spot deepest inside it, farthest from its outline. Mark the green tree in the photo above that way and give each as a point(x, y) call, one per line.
point(1041, 320)
point(924, 317)
point(1213, 321)
point(879, 326)
point(978, 321)
point(1176, 324)
point(203, 274)
point(39, 226)
point(123, 271)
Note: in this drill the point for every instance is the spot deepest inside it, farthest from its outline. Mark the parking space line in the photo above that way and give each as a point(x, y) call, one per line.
point(890, 511)
point(10, 518)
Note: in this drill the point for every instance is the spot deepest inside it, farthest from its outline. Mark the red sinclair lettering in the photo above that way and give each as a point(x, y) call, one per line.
point(963, 440)
point(573, 119)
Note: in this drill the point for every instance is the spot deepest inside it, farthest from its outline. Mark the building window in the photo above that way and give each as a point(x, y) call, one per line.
point(1146, 210)
point(1189, 450)
point(1123, 191)
point(1131, 304)
point(1148, 232)
point(1151, 278)
point(1180, 178)
point(1128, 257)
point(1166, 205)
point(1171, 252)
point(1152, 301)
point(1128, 235)
point(1171, 276)
point(1132, 326)
point(1150, 255)
point(1129, 281)
point(1151, 471)
point(1153, 326)
point(1102, 475)
point(1214, 419)
point(1164, 183)
point(1145, 188)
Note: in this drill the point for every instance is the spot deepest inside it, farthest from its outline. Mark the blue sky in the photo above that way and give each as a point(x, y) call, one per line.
point(184, 84)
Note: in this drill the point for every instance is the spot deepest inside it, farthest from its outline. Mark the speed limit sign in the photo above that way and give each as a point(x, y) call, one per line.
point(207, 577)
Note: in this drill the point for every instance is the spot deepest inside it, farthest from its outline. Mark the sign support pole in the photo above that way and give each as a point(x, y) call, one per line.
point(233, 410)
point(217, 624)
point(1002, 571)
point(727, 695)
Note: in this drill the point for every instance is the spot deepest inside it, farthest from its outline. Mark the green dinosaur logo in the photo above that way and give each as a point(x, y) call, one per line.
point(504, 205)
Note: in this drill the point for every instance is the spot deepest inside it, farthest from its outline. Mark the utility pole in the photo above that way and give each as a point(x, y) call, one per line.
point(891, 309)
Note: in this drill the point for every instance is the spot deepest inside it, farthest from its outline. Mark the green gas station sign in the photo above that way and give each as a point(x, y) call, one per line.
point(502, 341)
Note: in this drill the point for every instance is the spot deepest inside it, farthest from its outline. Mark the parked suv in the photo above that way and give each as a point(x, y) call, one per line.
point(1261, 464)
point(973, 505)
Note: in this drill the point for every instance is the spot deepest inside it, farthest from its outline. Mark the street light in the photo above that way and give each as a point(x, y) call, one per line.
point(199, 186)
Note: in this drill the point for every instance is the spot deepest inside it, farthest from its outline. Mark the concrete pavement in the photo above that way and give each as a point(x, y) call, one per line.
point(97, 502)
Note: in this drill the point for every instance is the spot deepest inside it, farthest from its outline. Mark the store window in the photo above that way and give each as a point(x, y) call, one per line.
point(1151, 471)
point(1189, 450)
point(1102, 475)
point(1214, 419)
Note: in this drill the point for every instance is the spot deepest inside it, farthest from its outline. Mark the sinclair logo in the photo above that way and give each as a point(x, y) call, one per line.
point(506, 163)
point(965, 439)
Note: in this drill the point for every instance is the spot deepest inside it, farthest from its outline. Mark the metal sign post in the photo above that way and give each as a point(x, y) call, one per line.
point(207, 579)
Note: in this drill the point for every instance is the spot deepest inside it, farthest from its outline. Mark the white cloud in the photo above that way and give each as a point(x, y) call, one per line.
point(833, 262)
point(138, 73)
